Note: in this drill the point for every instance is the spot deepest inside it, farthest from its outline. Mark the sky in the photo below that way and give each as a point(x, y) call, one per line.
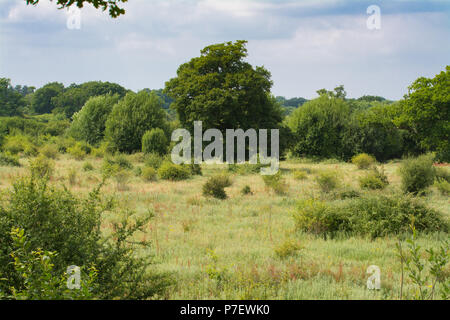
point(306, 44)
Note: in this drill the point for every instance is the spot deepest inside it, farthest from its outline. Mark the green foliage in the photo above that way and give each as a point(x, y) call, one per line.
point(425, 112)
point(111, 5)
point(155, 141)
point(19, 143)
point(153, 160)
point(87, 166)
point(72, 176)
point(287, 249)
point(90, 122)
point(246, 190)
point(417, 173)
point(173, 172)
point(131, 118)
point(49, 151)
point(115, 164)
point(276, 182)
point(205, 90)
point(7, 159)
point(42, 99)
point(77, 151)
point(318, 127)
point(42, 167)
point(424, 268)
point(61, 222)
point(442, 174)
point(443, 186)
point(246, 168)
point(215, 186)
point(363, 161)
point(149, 174)
point(375, 180)
point(300, 175)
point(371, 215)
point(11, 101)
point(327, 180)
point(35, 271)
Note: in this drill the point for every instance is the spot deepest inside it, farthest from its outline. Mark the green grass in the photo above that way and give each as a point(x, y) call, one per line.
point(224, 249)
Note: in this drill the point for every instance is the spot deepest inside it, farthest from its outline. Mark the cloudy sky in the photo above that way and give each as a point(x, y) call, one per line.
point(306, 44)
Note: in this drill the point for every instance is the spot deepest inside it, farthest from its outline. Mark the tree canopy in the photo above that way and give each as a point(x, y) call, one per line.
point(224, 91)
point(10, 100)
point(111, 5)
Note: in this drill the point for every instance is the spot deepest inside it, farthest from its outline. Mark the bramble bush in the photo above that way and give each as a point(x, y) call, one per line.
point(370, 215)
point(59, 221)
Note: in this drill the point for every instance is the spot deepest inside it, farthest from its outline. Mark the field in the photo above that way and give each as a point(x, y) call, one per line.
point(247, 246)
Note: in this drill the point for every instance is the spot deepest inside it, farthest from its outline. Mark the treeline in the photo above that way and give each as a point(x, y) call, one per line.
point(224, 91)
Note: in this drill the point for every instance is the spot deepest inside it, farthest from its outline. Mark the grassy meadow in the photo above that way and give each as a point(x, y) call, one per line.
point(247, 246)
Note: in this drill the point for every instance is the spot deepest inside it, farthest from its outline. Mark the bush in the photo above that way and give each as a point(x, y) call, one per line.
point(215, 186)
point(50, 151)
point(363, 161)
point(246, 191)
point(173, 172)
point(327, 181)
point(59, 221)
point(87, 166)
point(287, 249)
point(113, 165)
point(196, 169)
point(300, 175)
point(417, 174)
point(122, 177)
point(376, 180)
point(77, 151)
point(276, 182)
point(155, 141)
point(148, 174)
point(153, 160)
point(41, 167)
point(246, 168)
point(443, 187)
point(72, 176)
point(131, 117)
point(372, 215)
point(7, 159)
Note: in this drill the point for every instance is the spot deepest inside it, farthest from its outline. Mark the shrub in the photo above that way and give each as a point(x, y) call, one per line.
point(300, 175)
point(348, 194)
point(246, 191)
point(443, 186)
point(155, 141)
point(363, 161)
point(131, 117)
point(327, 181)
point(16, 144)
point(77, 151)
point(87, 166)
point(215, 186)
point(246, 168)
point(196, 169)
point(7, 159)
point(148, 174)
point(153, 160)
point(417, 174)
point(287, 249)
point(122, 177)
point(112, 165)
point(173, 172)
point(276, 182)
point(372, 215)
point(50, 151)
point(59, 221)
point(374, 180)
point(41, 167)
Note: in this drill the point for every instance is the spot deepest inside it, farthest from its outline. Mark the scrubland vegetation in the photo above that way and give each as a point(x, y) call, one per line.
point(86, 179)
